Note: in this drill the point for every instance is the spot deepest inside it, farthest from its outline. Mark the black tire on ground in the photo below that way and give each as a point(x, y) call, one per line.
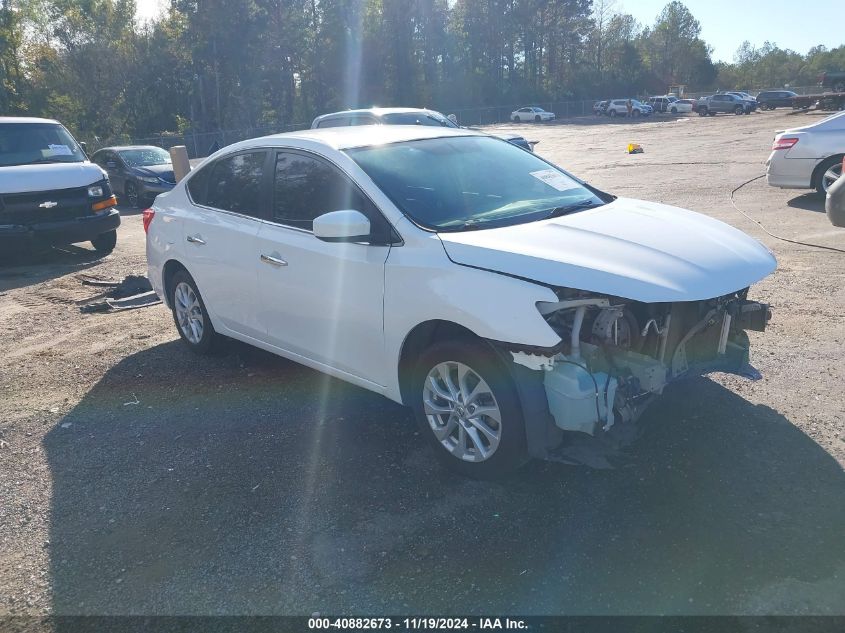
point(748, 111)
point(537, 119)
point(711, 113)
point(105, 242)
point(674, 110)
point(209, 340)
point(818, 175)
point(612, 113)
point(130, 192)
point(516, 119)
point(511, 452)
point(739, 110)
point(702, 111)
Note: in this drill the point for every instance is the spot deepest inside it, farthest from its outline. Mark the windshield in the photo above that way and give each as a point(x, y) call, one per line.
point(145, 157)
point(31, 143)
point(462, 183)
point(417, 118)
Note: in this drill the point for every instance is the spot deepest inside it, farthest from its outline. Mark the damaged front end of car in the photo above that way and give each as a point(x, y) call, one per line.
point(617, 355)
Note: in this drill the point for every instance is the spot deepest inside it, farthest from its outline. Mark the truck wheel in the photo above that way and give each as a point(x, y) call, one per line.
point(466, 405)
point(105, 242)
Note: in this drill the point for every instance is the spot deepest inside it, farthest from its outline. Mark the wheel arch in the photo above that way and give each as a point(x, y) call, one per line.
point(424, 335)
point(170, 268)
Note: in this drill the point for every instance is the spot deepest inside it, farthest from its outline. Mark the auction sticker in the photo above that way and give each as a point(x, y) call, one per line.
point(553, 178)
point(60, 150)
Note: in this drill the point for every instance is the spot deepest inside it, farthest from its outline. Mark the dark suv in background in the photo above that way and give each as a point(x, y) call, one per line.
point(725, 103)
point(771, 99)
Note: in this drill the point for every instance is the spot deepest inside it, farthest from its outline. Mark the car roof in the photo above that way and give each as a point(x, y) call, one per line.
point(26, 119)
point(341, 138)
point(374, 112)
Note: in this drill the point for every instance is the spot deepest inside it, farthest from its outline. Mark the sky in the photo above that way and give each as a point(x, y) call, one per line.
point(795, 24)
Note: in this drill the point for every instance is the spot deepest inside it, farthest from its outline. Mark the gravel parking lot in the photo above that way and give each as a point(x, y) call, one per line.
point(137, 479)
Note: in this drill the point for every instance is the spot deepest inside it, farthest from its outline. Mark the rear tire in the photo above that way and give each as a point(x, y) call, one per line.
point(821, 177)
point(537, 119)
point(702, 111)
point(189, 314)
point(105, 242)
point(739, 110)
point(446, 374)
point(516, 119)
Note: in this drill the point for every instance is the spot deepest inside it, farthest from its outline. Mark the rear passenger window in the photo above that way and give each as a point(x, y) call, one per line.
point(307, 187)
point(234, 183)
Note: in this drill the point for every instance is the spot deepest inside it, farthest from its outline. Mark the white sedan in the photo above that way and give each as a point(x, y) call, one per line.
point(510, 304)
point(532, 113)
point(808, 157)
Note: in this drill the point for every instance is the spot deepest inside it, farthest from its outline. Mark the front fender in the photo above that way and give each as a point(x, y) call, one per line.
point(422, 284)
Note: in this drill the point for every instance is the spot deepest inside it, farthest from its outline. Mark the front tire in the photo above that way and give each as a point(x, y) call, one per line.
point(105, 242)
point(466, 405)
point(537, 119)
point(516, 119)
point(130, 190)
point(702, 111)
point(674, 110)
point(189, 314)
point(739, 110)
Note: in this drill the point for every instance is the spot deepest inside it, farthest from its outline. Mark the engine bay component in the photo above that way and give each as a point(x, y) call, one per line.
point(579, 400)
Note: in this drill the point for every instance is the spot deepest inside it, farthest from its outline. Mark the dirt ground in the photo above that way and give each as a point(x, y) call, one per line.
point(138, 479)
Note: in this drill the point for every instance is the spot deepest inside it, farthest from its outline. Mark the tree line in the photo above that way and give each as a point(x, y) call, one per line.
point(207, 65)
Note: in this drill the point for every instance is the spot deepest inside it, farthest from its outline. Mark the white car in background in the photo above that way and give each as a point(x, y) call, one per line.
point(531, 113)
point(808, 157)
point(507, 302)
point(681, 106)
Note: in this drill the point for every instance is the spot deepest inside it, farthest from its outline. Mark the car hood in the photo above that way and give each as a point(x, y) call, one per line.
point(628, 248)
point(48, 176)
point(159, 171)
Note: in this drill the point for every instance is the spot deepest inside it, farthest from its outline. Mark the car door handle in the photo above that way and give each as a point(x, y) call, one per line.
point(193, 239)
point(273, 261)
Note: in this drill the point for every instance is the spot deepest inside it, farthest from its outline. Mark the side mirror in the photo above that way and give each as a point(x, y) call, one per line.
point(84, 146)
point(342, 226)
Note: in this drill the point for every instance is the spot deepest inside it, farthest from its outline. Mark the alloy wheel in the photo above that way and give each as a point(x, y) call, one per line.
point(188, 312)
point(831, 176)
point(462, 411)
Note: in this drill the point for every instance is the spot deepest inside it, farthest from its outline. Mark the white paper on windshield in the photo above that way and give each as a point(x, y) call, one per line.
point(60, 150)
point(553, 178)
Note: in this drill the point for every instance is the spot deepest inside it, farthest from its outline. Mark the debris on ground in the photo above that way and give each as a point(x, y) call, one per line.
point(134, 291)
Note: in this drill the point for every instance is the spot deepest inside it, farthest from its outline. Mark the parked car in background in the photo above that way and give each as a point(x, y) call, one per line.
point(619, 107)
point(808, 157)
point(724, 103)
point(50, 193)
point(138, 172)
point(404, 116)
point(532, 113)
point(507, 302)
point(742, 95)
point(771, 99)
point(682, 106)
point(599, 108)
point(662, 103)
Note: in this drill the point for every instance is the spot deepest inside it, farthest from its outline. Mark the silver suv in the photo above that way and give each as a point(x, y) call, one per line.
point(725, 103)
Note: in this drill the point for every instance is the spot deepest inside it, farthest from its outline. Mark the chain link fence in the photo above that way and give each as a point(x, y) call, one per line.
point(201, 144)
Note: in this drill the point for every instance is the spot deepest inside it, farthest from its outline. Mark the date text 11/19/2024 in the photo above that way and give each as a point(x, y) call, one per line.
point(416, 623)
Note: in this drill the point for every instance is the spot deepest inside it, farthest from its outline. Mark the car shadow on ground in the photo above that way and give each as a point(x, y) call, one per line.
point(18, 270)
point(246, 484)
point(808, 202)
